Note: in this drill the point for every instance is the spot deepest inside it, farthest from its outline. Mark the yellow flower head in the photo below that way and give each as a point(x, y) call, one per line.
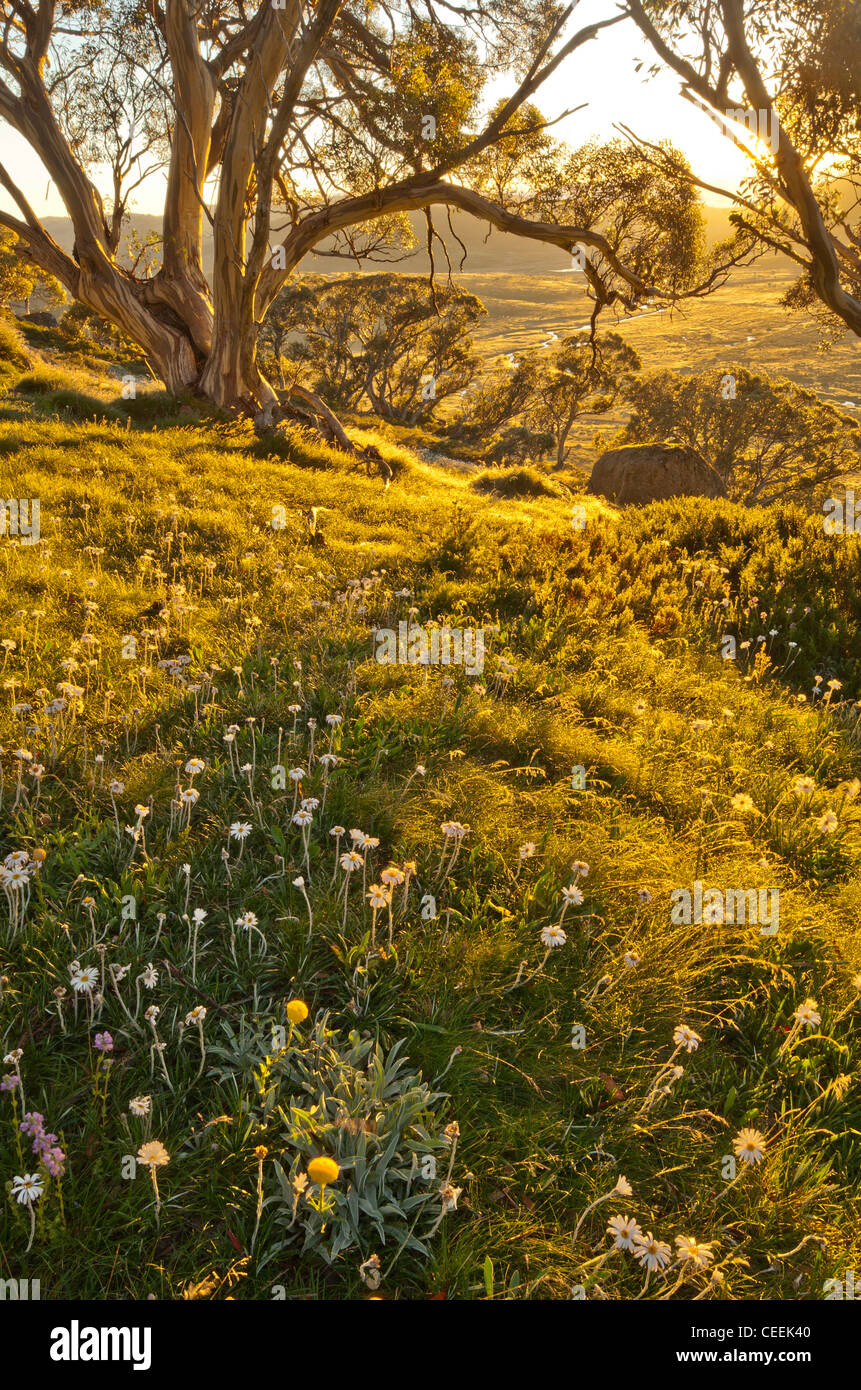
point(297, 1012)
point(323, 1171)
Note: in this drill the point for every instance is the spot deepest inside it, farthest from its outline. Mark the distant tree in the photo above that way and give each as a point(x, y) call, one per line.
point(529, 406)
point(16, 278)
point(502, 395)
point(585, 378)
point(517, 444)
point(768, 438)
point(389, 340)
point(646, 214)
point(522, 161)
point(311, 332)
point(80, 328)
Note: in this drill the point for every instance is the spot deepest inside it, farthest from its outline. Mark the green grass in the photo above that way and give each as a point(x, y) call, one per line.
point(587, 624)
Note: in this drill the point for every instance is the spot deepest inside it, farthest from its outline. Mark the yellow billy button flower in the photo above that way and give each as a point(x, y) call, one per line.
point(323, 1170)
point(297, 1011)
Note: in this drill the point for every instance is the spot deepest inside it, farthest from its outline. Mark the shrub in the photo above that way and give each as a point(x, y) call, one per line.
point(160, 407)
point(13, 350)
point(805, 583)
point(515, 482)
point(79, 405)
point(378, 1121)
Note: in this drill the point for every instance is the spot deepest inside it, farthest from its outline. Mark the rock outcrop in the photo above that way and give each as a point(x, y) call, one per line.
point(639, 473)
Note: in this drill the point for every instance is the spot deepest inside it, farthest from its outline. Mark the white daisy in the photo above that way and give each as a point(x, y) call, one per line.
point(749, 1146)
point(553, 936)
point(652, 1253)
point(691, 1250)
point(686, 1037)
point(85, 980)
point(28, 1188)
point(625, 1231)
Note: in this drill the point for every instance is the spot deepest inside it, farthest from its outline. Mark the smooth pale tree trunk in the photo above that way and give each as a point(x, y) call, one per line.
point(226, 379)
point(171, 319)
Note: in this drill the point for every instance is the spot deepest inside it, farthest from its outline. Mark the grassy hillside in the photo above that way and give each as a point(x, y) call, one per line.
point(602, 653)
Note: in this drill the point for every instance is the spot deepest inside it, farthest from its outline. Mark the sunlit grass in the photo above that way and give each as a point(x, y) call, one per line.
point(597, 656)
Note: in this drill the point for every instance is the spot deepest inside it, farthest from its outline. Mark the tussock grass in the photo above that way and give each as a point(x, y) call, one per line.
point(13, 349)
point(41, 382)
point(517, 482)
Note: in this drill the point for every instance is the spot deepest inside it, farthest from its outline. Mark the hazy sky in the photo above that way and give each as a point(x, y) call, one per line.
point(601, 73)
